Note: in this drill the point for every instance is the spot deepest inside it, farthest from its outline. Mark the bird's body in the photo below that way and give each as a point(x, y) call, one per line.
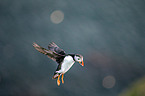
point(66, 64)
point(65, 61)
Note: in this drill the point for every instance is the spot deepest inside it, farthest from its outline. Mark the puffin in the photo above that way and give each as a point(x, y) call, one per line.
point(65, 61)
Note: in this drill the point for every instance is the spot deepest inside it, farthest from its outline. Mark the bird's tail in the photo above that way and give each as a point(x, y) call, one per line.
point(55, 75)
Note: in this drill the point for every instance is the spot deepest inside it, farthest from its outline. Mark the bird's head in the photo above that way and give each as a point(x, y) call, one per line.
point(79, 58)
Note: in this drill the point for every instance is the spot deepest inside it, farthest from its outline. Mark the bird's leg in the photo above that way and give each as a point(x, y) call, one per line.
point(62, 78)
point(58, 81)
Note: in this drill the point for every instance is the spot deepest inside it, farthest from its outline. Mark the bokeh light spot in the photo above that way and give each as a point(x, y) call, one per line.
point(109, 81)
point(57, 16)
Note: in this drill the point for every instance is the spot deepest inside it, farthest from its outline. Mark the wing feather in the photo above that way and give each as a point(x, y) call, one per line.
point(53, 52)
point(53, 47)
point(49, 53)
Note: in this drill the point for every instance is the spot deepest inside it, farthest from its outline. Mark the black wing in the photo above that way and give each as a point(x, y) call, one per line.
point(54, 52)
point(49, 53)
point(55, 49)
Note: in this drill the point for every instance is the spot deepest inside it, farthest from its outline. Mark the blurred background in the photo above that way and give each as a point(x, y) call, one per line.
point(110, 34)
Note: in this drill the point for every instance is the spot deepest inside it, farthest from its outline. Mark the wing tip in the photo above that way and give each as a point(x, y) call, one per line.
point(52, 44)
point(35, 45)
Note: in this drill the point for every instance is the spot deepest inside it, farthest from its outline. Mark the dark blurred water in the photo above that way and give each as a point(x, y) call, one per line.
point(110, 34)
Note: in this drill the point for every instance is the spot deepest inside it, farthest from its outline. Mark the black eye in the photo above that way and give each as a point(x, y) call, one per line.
point(78, 58)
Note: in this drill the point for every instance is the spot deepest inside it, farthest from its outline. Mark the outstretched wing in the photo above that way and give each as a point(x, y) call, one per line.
point(52, 55)
point(55, 49)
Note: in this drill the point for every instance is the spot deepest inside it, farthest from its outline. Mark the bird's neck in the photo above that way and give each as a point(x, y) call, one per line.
point(73, 56)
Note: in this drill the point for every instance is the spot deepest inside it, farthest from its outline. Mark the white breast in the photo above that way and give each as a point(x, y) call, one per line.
point(66, 64)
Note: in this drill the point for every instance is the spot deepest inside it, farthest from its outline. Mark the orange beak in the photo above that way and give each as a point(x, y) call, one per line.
point(82, 63)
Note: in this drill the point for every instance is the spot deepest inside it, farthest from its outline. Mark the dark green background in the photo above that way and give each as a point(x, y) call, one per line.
point(110, 34)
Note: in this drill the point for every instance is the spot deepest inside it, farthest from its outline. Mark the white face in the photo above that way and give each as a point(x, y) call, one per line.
point(78, 58)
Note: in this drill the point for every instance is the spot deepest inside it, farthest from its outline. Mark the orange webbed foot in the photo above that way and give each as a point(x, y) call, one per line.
point(62, 78)
point(58, 81)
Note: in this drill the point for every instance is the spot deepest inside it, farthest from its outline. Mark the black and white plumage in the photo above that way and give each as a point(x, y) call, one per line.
point(65, 61)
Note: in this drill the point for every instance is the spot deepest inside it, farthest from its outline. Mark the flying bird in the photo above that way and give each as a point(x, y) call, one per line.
point(65, 61)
